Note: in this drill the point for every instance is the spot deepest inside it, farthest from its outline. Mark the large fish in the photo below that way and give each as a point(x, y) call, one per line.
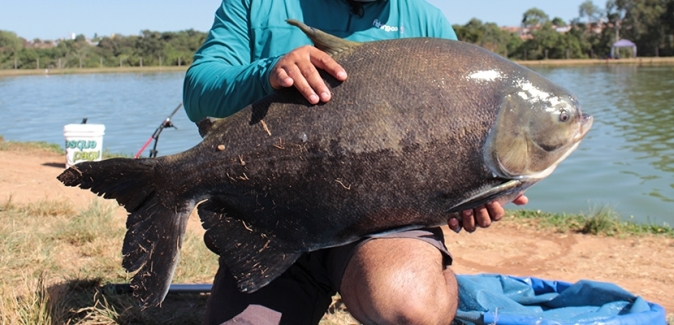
point(422, 128)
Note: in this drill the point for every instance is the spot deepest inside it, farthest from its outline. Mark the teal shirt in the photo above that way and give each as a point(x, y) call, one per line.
point(231, 69)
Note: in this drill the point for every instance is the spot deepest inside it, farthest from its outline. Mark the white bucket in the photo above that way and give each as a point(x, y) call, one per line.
point(84, 142)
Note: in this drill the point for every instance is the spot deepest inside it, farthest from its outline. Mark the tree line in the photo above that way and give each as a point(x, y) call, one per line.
point(150, 48)
point(647, 23)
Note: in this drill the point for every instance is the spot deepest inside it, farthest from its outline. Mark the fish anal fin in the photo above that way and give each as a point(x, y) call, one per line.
point(254, 257)
point(323, 41)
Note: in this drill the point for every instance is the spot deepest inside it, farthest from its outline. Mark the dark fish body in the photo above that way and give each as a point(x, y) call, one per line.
point(421, 128)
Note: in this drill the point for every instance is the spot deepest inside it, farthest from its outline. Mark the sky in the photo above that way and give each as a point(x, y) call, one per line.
point(49, 19)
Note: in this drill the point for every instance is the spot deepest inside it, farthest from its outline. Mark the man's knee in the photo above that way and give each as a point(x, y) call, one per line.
point(411, 290)
point(423, 302)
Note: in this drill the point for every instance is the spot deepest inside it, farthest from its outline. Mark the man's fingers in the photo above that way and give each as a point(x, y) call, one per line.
point(300, 82)
point(521, 200)
point(468, 220)
point(454, 224)
point(299, 68)
point(482, 216)
point(314, 81)
point(281, 79)
point(495, 210)
point(324, 61)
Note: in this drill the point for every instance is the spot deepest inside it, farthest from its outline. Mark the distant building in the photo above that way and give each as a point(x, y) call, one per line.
point(525, 33)
point(38, 44)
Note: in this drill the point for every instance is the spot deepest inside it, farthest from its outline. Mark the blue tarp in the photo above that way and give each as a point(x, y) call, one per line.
point(502, 300)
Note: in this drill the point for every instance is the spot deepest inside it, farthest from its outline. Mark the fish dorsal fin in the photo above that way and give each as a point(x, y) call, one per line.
point(323, 41)
point(206, 125)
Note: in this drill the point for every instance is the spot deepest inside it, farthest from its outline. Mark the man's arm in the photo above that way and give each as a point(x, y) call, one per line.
point(223, 80)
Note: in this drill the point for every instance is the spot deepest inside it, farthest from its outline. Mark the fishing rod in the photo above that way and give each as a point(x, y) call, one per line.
point(155, 136)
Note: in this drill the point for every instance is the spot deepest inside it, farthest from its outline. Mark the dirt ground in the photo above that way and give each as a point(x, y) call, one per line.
point(641, 265)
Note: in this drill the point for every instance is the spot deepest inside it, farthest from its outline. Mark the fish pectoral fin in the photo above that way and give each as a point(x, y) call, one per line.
point(323, 41)
point(487, 196)
point(254, 257)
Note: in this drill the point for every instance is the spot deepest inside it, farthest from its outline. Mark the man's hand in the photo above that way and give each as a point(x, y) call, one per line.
point(299, 68)
point(482, 216)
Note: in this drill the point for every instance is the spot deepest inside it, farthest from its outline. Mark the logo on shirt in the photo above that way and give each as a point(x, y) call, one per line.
point(387, 28)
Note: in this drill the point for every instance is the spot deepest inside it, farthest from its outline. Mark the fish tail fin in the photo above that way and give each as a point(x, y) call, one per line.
point(254, 257)
point(128, 181)
point(155, 225)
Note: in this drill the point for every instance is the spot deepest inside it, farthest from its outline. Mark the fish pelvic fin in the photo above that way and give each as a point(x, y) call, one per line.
point(254, 256)
point(323, 41)
point(155, 225)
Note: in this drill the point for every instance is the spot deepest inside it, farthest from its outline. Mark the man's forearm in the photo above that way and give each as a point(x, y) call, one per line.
point(218, 89)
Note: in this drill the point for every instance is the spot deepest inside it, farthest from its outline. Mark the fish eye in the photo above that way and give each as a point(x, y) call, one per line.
point(563, 115)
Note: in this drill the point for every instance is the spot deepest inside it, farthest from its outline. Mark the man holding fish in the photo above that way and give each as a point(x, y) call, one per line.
point(397, 278)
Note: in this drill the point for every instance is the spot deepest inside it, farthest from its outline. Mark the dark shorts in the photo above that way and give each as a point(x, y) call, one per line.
point(303, 293)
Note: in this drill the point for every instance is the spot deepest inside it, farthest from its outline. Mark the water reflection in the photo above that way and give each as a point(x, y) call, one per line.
point(631, 147)
point(130, 105)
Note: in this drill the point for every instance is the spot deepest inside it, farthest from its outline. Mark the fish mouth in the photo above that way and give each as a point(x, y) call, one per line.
point(585, 125)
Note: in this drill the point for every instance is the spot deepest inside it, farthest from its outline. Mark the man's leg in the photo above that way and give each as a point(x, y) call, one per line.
point(299, 296)
point(399, 281)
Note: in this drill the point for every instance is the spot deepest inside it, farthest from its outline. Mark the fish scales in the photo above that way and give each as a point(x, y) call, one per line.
point(421, 128)
point(392, 148)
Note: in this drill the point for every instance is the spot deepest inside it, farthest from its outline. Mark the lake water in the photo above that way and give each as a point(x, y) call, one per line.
point(625, 162)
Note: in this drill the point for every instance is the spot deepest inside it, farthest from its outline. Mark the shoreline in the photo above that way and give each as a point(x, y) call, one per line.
point(644, 61)
point(30, 72)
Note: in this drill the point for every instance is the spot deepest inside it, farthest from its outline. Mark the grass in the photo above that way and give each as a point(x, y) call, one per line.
point(47, 147)
point(30, 146)
point(55, 263)
point(57, 266)
point(598, 221)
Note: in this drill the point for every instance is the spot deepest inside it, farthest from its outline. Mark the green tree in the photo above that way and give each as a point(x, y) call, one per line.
point(643, 24)
point(489, 36)
point(545, 40)
point(589, 11)
point(10, 46)
point(559, 22)
point(667, 20)
point(534, 17)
